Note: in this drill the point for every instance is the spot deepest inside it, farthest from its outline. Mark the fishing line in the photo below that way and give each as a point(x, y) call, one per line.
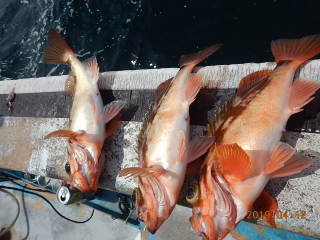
point(8, 178)
point(26, 215)
point(18, 212)
point(18, 189)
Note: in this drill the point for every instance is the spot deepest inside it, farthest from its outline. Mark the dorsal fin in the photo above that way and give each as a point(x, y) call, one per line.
point(219, 117)
point(251, 80)
point(91, 65)
point(144, 128)
point(161, 91)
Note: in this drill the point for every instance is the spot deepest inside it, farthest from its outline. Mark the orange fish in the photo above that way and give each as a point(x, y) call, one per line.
point(247, 151)
point(163, 145)
point(88, 116)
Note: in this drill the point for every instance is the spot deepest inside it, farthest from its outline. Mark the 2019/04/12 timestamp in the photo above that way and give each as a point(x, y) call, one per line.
point(278, 214)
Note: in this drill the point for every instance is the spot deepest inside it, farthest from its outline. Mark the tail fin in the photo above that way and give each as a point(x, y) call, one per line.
point(57, 50)
point(194, 59)
point(296, 49)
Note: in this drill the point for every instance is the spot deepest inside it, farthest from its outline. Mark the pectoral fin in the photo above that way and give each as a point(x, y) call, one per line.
point(265, 204)
point(111, 110)
point(234, 161)
point(134, 172)
point(64, 133)
point(198, 146)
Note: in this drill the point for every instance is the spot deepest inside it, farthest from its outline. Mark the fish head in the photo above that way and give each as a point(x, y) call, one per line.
point(85, 172)
point(153, 204)
point(213, 212)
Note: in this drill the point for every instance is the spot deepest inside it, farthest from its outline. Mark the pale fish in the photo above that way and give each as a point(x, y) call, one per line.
point(90, 122)
point(163, 148)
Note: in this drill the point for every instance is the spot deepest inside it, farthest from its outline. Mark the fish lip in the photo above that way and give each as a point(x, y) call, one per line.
point(195, 232)
point(203, 235)
point(159, 212)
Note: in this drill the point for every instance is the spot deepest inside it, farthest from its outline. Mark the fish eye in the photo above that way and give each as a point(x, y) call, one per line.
point(193, 193)
point(67, 167)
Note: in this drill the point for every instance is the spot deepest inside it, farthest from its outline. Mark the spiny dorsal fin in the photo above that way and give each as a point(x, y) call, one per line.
point(144, 129)
point(92, 68)
point(251, 80)
point(161, 91)
point(219, 117)
point(69, 85)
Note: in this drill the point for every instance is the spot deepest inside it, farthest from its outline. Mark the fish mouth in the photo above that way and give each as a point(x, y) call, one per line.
point(84, 171)
point(204, 236)
point(154, 207)
point(80, 182)
point(198, 232)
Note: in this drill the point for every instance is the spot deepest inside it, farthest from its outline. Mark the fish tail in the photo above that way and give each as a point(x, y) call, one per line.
point(194, 59)
point(298, 50)
point(57, 50)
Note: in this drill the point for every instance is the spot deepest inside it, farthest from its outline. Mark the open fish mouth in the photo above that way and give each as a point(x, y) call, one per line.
point(153, 205)
point(83, 168)
point(204, 235)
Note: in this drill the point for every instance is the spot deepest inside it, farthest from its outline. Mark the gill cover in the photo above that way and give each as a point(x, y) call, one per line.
point(153, 204)
point(214, 214)
point(84, 171)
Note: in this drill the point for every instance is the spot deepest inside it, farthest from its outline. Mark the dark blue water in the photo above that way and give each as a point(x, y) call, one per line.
point(157, 32)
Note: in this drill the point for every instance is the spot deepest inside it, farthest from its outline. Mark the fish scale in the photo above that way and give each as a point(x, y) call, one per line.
point(247, 151)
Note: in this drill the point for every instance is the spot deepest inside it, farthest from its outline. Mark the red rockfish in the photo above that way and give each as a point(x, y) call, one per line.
point(88, 117)
point(247, 151)
point(163, 148)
